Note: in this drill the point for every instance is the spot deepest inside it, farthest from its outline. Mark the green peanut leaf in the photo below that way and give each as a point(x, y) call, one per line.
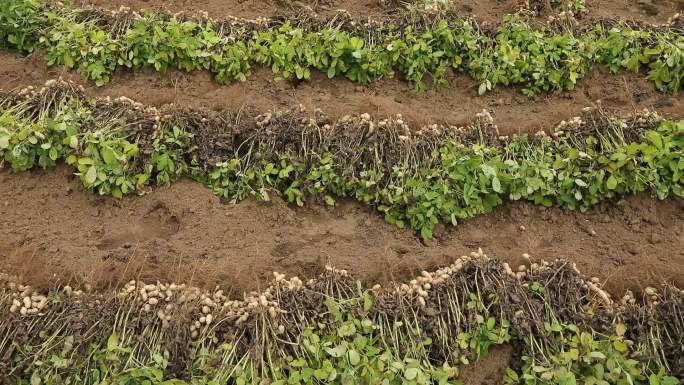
point(91, 175)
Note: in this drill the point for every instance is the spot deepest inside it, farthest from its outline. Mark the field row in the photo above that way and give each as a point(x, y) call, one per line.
point(486, 11)
point(381, 9)
point(415, 177)
point(618, 94)
point(332, 330)
point(419, 49)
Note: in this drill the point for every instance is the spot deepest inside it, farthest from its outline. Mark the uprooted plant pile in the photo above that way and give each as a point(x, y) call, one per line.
point(415, 46)
point(333, 330)
point(416, 178)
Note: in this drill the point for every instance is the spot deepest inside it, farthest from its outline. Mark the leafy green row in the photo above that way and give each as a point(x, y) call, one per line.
point(535, 58)
point(416, 181)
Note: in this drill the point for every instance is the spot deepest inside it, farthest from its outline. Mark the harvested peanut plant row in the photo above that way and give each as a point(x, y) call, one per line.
point(415, 178)
point(333, 330)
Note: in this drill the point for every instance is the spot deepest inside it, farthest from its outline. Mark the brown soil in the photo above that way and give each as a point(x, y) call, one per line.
point(486, 10)
point(247, 8)
point(488, 370)
point(650, 11)
point(453, 104)
point(52, 231)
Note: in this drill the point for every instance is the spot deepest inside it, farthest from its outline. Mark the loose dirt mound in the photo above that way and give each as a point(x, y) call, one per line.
point(52, 231)
point(454, 104)
point(657, 11)
point(488, 370)
point(651, 11)
point(248, 8)
point(487, 10)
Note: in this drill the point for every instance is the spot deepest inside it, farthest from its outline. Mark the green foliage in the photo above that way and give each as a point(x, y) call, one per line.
point(102, 156)
point(539, 59)
point(157, 43)
point(82, 46)
point(587, 358)
point(353, 351)
point(431, 52)
point(623, 48)
point(166, 164)
point(668, 70)
point(106, 364)
point(25, 143)
point(21, 22)
point(104, 163)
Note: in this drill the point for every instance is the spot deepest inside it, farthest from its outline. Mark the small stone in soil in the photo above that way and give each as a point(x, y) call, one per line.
point(632, 248)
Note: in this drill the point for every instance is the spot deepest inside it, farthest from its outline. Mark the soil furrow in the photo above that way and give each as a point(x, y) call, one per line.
point(654, 12)
point(52, 231)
